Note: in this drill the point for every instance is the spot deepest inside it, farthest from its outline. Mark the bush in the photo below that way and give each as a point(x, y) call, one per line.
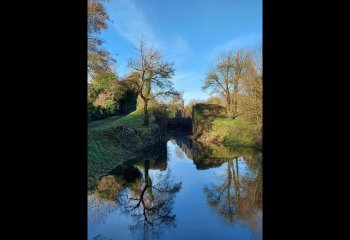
point(161, 117)
point(203, 115)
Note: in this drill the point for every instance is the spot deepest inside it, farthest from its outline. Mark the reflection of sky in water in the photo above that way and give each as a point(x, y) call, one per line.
point(195, 219)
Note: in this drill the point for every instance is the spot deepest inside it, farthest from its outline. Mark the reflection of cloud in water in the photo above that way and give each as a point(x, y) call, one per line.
point(101, 237)
point(98, 208)
point(144, 190)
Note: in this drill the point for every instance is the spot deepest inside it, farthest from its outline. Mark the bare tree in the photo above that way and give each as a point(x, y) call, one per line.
point(151, 76)
point(224, 79)
point(219, 79)
point(252, 90)
point(240, 67)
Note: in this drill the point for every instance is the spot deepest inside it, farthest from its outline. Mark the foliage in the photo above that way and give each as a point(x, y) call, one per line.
point(128, 101)
point(236, 79)
point(99, 59)
point(103, 86)
point(161, 117)
point(203, 115)
point(108, 96)
point(231, 132)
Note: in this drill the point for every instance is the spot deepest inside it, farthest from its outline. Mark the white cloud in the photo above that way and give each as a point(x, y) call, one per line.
point(129, 22)
point(243, 41)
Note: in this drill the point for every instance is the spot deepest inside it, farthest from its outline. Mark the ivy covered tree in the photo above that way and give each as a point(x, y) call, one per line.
point(151, 76)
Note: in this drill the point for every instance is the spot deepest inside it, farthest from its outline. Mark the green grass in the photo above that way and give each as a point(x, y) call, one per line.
point(109, 144)
point(230, 132)
point(94, 124)
point(133, 120)
point(229, 152)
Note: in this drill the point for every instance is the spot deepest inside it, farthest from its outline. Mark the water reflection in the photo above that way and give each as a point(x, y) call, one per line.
point(150, 203)
point(234, 196)
point(237, 197)
point(224, 183)
point(207, 156)
point(148, 200)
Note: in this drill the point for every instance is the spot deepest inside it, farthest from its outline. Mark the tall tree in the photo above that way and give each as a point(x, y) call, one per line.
point(252, 90)
point(239, 69)
point(151, 76)
point(225, 79)
point(99, 59)
point(220, 80)
point(105, 90)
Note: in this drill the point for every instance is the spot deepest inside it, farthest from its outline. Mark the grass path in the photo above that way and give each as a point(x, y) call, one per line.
point(116, 139)
point(97, 123)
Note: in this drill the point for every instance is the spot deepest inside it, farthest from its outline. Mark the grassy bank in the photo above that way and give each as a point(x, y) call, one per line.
point(230, 132)
point(210, 126)
point(116, 141)
point(97, 123)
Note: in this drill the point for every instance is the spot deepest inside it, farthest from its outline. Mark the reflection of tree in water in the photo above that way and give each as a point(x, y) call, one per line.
point(205, 156)
point(238, 194)
point(184, 145)
point(103, 199)
point(148, 200)
point(236, 197)
point(201, 155)
point(150, 203)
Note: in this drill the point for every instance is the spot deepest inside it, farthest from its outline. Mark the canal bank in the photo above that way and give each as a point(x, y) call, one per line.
point(117, 141)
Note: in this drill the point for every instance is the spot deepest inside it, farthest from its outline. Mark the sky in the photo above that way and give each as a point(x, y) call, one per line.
point(191, 33)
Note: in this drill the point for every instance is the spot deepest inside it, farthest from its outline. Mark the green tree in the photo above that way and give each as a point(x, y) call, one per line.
point(104, 92)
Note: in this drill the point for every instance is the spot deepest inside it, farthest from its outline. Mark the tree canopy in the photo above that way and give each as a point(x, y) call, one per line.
point(151, 76)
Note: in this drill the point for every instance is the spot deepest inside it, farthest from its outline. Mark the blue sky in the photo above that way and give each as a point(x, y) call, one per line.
point(191, 33)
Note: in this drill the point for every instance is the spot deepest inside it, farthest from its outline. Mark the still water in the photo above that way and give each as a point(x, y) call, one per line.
point(180, 189)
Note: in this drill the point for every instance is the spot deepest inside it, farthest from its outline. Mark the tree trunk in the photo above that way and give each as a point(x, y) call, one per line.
point(145, 111)
point(237, 179)
point(228, 107)
point(148, 180)
point(235, 91)
point(235, 109)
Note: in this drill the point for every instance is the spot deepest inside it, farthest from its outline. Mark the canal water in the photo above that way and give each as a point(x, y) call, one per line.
point(180, 189)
